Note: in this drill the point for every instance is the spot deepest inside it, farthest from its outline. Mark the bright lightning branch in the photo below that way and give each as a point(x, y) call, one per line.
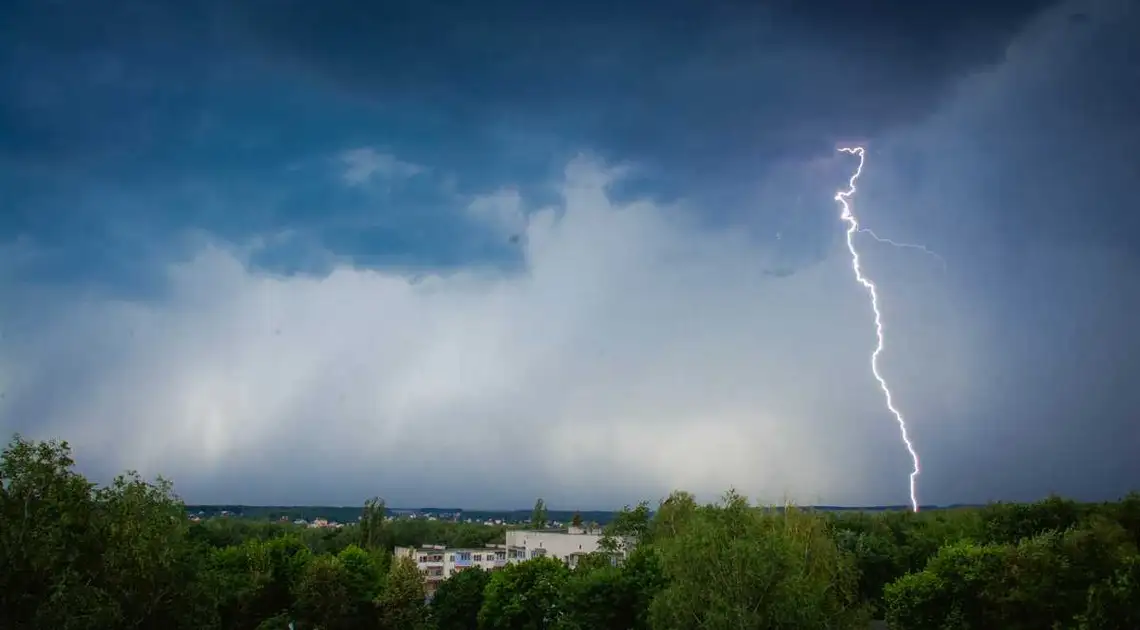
point(848, 217)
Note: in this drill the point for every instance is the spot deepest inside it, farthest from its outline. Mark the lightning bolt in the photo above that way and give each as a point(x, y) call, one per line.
point(922, 248)
point(852, 222)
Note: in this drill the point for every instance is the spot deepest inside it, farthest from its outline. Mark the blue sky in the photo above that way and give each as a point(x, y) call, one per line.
point(306, 253)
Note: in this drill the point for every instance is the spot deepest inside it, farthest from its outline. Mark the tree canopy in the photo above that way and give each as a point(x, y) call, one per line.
point(74, 555)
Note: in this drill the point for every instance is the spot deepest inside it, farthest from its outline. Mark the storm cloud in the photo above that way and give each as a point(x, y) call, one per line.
point(608, 323)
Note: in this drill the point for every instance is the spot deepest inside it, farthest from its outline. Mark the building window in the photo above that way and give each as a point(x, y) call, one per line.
point(478, 557)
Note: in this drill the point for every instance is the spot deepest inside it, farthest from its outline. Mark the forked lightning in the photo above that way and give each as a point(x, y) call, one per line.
point(893, 243)
point(848, 217)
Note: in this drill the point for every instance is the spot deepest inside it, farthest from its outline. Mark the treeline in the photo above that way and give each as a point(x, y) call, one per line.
point(340, 514)
point(343, 514)
point(228, 532)
point(73, 556)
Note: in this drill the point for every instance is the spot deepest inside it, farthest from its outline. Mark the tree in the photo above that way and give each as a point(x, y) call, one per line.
point(401, 603)
point(1038, 582)
point(72, 556)
point(735, 566)
point(372, 531)
point(612, 597)
point(576, 521)
point(596, 599)
point(1112, 603)
point(592, 561)
point(538, 518)
point(237, 575)
point(148, 566)
point(672, 515)
point(285, 561)
point(339, 591)
point(48, 543)
point(322, 596)
point(365, 574)
point(76, 556)
point(628, 526)
point(258, 580)
point(524, 596)
point(456, 603)
point(1012, 522)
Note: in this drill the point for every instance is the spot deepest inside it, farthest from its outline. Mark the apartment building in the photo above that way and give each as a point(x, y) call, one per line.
point(437, 562)
point(568, 546)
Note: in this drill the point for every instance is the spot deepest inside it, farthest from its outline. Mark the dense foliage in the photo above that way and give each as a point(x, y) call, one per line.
point(76, 556)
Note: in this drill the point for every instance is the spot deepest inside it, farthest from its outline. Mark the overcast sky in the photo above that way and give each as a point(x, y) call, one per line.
point(307, 253)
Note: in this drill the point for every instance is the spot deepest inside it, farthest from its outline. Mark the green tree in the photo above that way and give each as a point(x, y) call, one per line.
point(538, 518)
point(48, 543)
point(672, 515)
point(456, 603)
point(238, 574)
point(1038, 582)
point(524, 596)
point(257, 580)
point(285, 561)
point(1126, 512)
point(576, 521)
point(401, 603)
point(962, 587)
point(72, 556)
point(322, 596)
point(612, 597)
point(735, 566)
point(1011, 522)
point(339, 591)
point(407, 532)
point(628, 525)
point(876, 558)
point(148, 566)
point(365, 574)
point(592, 561)
point(1114, 603)
point(373, 534)
point(596, 599)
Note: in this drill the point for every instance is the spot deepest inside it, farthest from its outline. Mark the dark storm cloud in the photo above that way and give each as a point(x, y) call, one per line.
point(1024, 182)
point(693, 87)
point(707, 92)
point(155, 101)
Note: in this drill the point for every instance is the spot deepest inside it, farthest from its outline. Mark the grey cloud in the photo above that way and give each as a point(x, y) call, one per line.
point(640, 350)
point(632, 356)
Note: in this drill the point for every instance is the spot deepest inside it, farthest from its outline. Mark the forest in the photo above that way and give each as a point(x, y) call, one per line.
point(75, 555)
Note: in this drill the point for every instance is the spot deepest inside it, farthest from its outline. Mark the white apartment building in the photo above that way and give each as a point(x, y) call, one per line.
point(568, 546)
point(437, 562)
